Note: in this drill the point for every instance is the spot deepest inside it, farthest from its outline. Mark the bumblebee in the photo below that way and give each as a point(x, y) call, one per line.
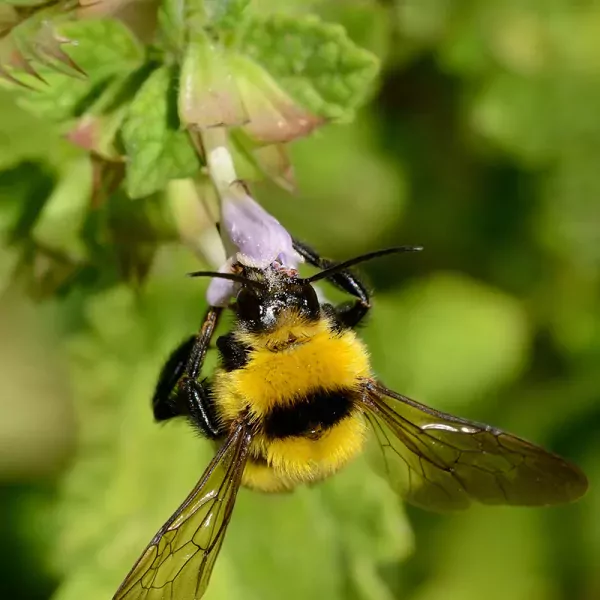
point(293, 401)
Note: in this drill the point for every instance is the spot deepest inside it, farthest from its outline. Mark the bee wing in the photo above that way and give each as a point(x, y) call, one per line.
point(178, 562)
point(440, 462)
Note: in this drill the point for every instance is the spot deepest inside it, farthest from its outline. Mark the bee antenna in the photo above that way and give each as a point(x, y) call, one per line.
point(231, 276)
point(358, 259)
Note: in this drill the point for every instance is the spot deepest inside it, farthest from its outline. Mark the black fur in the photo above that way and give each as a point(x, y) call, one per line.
point(309, 416)
point(234, 355)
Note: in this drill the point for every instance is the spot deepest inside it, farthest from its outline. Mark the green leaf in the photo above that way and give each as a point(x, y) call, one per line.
point(315, 62)
point(103, 46)
point(178, 19)
point(369, 23)
point(104, 49)
point(225, 13)
point(173, 19)
point(158, 150)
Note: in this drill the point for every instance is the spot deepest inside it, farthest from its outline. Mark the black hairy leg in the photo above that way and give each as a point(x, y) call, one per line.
point(346, 315)
point(200, 406)
point(178, 391)
point(164, 401)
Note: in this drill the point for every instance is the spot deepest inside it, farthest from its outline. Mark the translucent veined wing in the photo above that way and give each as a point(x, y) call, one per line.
point(178, 562)
point(441, 462)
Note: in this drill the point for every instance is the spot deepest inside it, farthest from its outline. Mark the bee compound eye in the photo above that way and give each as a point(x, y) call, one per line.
point(310, 300)
point(248, 305)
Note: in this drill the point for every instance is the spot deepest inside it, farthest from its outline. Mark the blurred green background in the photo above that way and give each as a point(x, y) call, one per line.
point(481, 141)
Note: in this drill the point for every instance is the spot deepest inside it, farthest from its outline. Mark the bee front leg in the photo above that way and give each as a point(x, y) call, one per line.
point(348, 315)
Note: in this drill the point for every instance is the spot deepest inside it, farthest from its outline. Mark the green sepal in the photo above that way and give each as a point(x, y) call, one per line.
point(208, 94)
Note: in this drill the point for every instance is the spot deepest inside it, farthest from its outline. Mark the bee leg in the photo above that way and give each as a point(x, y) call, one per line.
point(200, 407)
point(347, 315)
point(186, 361)
point(200, 348)
point(164, 401)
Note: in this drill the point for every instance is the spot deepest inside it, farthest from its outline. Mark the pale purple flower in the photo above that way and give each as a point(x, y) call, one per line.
point(221, 290)
point(252, 237)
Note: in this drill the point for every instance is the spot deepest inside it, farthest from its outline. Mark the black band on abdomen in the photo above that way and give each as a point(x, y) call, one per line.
point(309, 415)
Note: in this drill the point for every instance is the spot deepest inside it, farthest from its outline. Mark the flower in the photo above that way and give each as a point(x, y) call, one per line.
point(252, 237)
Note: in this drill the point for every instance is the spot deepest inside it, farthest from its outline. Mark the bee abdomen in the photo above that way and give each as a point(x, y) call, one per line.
point(309, 415)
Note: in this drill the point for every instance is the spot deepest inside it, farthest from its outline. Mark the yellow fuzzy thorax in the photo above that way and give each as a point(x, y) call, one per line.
point(317, 360)
point(284, 366)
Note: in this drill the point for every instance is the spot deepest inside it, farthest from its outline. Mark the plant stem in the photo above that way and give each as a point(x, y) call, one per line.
point(218, 159)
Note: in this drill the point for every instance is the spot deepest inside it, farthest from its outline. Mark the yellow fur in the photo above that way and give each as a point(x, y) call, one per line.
point(263, 479)
point(316, 361)
point(313, 359)
point(302, 458)
point(296, 460)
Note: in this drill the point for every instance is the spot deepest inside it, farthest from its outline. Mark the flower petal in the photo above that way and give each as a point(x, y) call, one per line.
point(257, 237)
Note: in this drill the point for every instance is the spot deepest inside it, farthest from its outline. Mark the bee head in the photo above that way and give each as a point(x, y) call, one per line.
point(261, 308)
point(266, 295)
